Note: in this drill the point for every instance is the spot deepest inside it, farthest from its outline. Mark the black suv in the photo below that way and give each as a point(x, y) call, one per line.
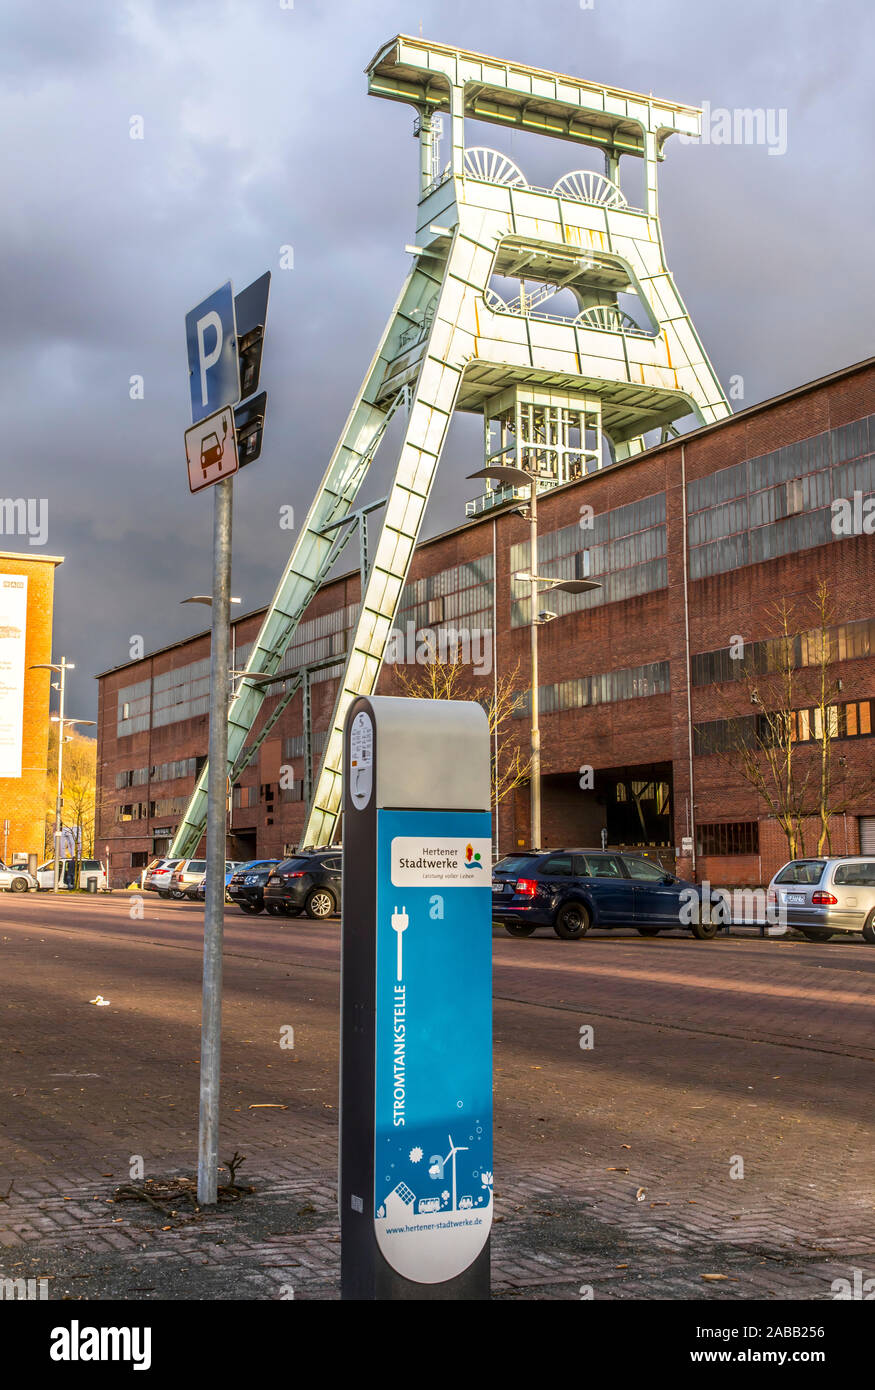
point(572, 890)
point(246, 888)
point(308, 882)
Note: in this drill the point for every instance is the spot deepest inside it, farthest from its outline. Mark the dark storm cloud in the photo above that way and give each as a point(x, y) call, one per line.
point(258, 133)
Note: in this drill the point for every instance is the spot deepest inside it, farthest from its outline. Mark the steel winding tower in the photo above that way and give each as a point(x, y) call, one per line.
point(554, 391)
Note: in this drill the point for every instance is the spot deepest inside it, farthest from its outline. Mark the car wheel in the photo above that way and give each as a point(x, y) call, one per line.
point(572, 922)
point(319, 904)
point(163, 893)
point(19, 885)
point(273, 908)
point(647, 931)
point(519, 928)
point(251, 908)
point(811, 934)
point(704, 931)
point(869, 929)
point(177, 894)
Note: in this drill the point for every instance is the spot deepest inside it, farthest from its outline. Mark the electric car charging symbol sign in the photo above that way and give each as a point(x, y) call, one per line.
point(211, 450)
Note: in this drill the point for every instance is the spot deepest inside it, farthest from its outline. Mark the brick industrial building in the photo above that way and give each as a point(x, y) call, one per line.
point(694, 541)
point(27, 587)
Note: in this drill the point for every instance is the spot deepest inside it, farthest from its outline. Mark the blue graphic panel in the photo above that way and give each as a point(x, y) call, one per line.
point(433, 1095)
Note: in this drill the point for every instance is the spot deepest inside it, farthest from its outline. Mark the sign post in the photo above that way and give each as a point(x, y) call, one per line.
point(214, 893)
point(214, 383)
point(218, 359)
point(415, 1172)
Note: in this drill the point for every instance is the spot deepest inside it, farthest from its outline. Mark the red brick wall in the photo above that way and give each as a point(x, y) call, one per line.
point(624, 735)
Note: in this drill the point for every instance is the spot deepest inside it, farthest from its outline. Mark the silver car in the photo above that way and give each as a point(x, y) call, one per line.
point(821, 897)
point(16, 880)
point(157, 879)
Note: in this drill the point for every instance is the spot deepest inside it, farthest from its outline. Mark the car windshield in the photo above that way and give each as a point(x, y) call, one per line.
point(514, 864)
point(296, 864)
point(802, 871)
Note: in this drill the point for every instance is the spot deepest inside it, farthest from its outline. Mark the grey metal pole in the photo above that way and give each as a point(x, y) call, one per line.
point(59, 798)
point(535, 776)
point(214, 902)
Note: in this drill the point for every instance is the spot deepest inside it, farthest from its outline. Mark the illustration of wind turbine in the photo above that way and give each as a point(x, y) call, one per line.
point(454, 1149)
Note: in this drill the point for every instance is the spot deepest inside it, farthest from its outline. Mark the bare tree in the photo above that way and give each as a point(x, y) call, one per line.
point(78, 793)
point(785, 751)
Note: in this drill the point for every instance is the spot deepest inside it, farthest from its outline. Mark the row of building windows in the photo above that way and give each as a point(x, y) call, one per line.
point(161, 772)
point(626, 550)
point(148, 810)
point(778, 503)
point(315, 640)
point(729, 837)
point(850, 720)
point(448, 581)
point(460, 591)
point(633, 683)
point(296, 746)
point(184, 693)
point(845, 642)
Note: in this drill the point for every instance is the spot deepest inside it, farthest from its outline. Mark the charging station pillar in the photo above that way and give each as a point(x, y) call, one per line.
point(415, 1152)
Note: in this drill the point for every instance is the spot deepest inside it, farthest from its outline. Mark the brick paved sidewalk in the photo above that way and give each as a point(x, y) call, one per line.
point(654, 1108)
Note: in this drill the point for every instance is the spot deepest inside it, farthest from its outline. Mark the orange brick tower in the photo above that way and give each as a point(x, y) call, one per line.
point(27, 585)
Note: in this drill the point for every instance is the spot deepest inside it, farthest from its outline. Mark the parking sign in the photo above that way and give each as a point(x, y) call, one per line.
point(213, 363)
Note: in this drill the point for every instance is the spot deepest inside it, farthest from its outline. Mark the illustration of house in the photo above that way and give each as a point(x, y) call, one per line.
point(399, 1203)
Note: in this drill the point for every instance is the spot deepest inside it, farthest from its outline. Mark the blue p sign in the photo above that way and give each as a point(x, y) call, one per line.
point(213, 363)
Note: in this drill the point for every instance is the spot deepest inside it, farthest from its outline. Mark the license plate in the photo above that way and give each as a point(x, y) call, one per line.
point(795, 899)
point(500, 887)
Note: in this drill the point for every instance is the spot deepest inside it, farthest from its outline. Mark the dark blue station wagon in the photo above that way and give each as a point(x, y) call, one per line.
point(572, 890)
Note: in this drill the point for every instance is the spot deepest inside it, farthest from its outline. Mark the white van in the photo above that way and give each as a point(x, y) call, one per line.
point(88, 868)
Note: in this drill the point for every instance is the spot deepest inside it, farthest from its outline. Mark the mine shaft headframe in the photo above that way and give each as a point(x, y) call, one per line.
point(434, 77)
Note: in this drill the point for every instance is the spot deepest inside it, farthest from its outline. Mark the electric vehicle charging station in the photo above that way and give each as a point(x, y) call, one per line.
point(415, 1149)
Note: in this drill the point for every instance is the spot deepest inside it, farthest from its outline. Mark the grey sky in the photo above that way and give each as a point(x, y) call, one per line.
point(258, 134)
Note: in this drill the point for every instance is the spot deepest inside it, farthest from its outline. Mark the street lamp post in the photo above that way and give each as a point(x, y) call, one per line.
point(521, 477)
point(62, 667)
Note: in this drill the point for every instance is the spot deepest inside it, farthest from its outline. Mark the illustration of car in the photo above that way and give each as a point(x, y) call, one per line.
point(429, 1204)
point(465, 1202)
point(211, 450)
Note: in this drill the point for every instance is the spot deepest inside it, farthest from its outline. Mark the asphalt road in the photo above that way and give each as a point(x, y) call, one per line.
point(720, 1123)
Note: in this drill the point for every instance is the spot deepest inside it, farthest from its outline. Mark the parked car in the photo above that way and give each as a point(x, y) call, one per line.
point(822, 897)
point(88, 868)
point(246, 886)
point(157, 878)
point(308, 882)
point(186, 877)
point(17, 880)
point(572, 890)
point(198, 893)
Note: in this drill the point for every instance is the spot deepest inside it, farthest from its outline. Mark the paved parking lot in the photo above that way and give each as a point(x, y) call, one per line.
point(719, 1124)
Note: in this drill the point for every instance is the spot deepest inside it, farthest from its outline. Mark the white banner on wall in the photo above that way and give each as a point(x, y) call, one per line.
point(13, 630)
